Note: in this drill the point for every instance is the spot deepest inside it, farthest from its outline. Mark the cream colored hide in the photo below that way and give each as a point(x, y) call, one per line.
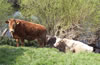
point(72, 45)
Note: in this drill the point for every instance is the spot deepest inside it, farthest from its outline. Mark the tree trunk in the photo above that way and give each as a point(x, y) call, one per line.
point(4, 32)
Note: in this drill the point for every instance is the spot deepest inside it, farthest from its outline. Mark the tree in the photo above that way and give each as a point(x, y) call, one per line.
point(63, 12)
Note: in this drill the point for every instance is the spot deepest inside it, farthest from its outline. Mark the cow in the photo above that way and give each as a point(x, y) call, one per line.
point(65, 45)
point(21, 30)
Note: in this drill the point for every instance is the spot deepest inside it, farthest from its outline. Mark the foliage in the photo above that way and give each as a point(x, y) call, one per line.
point(63, 12)
point(12, 42)
point(52, 13)
point(44, 56)
point(7, 41)
point(5, 10)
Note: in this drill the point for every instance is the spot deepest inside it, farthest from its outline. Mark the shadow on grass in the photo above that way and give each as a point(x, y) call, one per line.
point(9, 55)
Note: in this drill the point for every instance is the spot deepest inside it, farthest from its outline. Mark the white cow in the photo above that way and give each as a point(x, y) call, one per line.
point(72, 45)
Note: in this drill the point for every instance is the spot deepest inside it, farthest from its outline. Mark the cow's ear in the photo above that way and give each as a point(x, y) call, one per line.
point(7, 22)
point(17, 22)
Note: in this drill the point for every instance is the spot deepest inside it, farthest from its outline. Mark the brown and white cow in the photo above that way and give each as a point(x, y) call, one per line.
point(22, 30)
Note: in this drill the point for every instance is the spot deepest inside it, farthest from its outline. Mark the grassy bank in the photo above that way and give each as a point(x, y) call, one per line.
point(44, 56)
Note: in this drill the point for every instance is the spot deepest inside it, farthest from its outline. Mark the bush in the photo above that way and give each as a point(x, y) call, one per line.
point(12, 42)
point(7, 41)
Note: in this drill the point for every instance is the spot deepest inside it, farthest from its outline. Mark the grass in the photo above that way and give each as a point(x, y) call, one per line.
point(10, 55)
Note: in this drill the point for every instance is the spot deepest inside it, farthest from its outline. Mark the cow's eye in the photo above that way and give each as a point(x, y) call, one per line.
point(7, 22)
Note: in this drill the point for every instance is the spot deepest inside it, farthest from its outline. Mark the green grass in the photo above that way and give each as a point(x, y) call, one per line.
point(44, 56)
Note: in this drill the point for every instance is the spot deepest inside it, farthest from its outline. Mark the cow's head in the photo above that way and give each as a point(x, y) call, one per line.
point(12, 24)
point(61, 46)
point(57, 41)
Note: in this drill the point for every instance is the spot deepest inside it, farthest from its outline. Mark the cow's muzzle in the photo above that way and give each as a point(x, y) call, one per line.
point(11, 30)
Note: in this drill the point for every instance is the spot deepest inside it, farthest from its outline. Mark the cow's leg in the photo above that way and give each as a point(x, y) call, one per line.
point(43, 42)
point(17, 42)
point(22, 42)
point(43, 39)
point(40, 43)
